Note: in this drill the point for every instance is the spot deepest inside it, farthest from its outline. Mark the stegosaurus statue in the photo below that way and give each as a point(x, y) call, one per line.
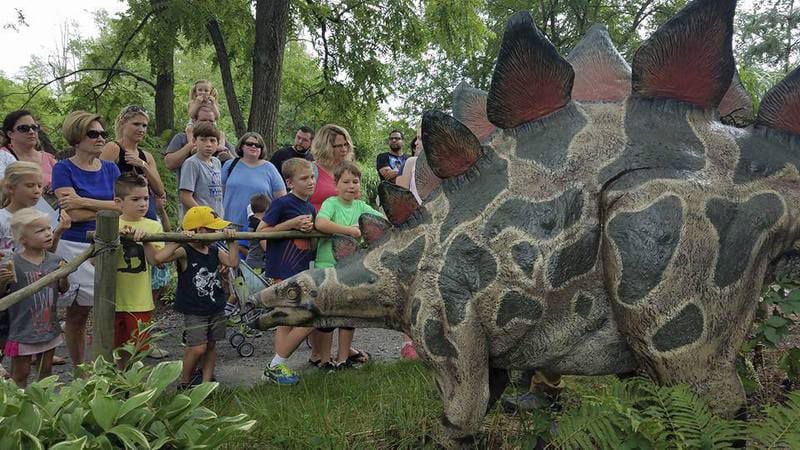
point(582, 217)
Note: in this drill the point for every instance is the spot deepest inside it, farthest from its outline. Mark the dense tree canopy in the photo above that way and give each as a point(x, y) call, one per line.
point(368, 65)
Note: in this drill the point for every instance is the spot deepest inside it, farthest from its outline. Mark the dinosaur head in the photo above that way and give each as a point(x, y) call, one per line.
point(369, 286)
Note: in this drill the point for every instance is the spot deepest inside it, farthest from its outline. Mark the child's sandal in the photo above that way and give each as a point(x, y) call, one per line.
point(360, 357)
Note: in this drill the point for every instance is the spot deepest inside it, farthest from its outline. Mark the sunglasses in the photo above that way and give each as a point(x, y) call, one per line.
point(337, 147)
point(252, 144)
point(27, 128)
point(134, 109)
point(94, 134)
point(395, 138)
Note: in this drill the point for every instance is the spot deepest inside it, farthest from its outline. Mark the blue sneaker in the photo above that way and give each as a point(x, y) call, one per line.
point(280, 374)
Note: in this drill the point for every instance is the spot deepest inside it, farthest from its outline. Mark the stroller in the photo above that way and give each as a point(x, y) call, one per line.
point(243, 283)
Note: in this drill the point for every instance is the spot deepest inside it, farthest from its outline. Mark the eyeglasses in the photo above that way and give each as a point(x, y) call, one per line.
point(134, 109)
point(27, 128)
point(252, 144)
point(94, 134)
point(394, 138)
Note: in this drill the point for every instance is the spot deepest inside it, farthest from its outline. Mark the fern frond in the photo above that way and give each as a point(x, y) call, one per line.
point(781, 428)
point(678, 416)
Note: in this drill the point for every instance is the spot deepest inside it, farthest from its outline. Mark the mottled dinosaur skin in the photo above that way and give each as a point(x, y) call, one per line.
point(604, 220)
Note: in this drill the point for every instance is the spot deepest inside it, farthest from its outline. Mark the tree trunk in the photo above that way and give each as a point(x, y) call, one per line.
point(227, 79)
point(162, 63)
point(272, 18)
point(165, 93)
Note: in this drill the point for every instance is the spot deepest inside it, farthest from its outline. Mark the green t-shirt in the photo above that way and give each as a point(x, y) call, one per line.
point(337, 212)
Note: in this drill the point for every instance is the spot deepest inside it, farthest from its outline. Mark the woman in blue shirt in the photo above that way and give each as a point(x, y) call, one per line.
point(247, 175)
point(84, 185)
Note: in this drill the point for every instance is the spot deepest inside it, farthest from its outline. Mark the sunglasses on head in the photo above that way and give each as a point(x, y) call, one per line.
point(134, 109)
point(252, 144)
point(27, 128)
point(94, 134)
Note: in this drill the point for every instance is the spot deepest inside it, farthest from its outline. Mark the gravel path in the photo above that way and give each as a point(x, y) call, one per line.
point(233, 369)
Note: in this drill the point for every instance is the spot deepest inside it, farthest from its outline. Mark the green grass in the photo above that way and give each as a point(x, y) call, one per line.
point(392, 405)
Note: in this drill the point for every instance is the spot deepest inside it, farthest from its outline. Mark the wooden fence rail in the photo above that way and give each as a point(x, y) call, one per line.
point(213, 237)
point(62, 272)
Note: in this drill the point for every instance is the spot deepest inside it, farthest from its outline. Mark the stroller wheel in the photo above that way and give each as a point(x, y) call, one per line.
point(246, 349)
point(236, 339)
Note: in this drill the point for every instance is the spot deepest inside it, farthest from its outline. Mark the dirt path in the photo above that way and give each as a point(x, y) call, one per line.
point(233, 369)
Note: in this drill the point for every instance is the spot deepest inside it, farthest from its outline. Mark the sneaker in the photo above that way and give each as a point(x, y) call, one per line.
point(347, 364)
point(280, 374)
point(230, 309)
point(408, 351)
point(157, 352)
point(328, 367)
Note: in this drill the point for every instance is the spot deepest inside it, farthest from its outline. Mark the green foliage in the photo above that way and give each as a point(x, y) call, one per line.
point(369, 182)
point(775, 318)
point(638, 414)
point(108, 408)
point(769, 35)
point(377, 406)
point(781, 428)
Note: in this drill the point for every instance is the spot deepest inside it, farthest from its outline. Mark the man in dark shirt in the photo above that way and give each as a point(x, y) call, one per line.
point(300, 149)
point(390, 164)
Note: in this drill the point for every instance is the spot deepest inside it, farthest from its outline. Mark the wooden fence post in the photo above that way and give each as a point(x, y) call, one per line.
point(106, 242)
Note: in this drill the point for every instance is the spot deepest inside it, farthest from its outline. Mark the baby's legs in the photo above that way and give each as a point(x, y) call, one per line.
point(20, 369)
point(45, 363)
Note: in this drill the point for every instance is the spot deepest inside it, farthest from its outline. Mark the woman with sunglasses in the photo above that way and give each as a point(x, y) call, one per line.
point(130, 129)
point(247, 175)
point(84, 185)
point(18, 142)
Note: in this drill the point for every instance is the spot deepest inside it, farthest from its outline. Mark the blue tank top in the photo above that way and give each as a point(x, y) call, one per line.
point(199, 286)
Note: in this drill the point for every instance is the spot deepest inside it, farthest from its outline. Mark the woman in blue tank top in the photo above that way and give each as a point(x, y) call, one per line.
point(83, 185)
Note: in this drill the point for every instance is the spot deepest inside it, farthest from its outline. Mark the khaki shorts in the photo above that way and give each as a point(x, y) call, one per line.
point(199, 330)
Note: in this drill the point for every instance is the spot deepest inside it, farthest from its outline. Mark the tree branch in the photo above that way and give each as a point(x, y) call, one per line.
point(38, 88)
point(105, 84)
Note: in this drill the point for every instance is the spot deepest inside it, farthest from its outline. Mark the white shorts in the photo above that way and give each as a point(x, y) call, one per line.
point(82, 280)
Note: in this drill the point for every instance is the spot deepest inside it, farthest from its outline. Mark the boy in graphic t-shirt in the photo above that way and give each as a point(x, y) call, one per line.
point(134, 296)
point(199, 295)
point(201, 174)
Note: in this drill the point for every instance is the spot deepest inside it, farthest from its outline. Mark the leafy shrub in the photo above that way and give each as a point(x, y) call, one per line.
point(109, 409)
point(637, 413)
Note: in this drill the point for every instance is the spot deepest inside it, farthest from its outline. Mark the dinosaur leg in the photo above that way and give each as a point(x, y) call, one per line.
point(716, 381)
point(498, 380)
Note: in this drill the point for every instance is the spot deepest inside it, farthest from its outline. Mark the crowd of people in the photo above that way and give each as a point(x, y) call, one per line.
point(48, 206)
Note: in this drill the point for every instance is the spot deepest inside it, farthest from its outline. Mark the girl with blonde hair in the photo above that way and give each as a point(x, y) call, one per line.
point(21, 189)
point(34, 331)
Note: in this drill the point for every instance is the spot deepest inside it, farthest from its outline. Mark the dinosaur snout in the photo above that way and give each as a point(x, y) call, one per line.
point(290, 302)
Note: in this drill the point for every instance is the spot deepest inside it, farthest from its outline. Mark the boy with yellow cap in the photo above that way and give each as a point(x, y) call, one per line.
point(199, 296)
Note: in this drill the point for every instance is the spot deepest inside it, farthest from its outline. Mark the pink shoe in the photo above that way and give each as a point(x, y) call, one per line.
point(408, 351)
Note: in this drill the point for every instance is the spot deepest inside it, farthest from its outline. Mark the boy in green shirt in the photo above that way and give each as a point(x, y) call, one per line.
point(339, 215)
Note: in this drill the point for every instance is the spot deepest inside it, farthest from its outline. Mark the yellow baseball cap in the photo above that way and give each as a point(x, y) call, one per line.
point(203, 217)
